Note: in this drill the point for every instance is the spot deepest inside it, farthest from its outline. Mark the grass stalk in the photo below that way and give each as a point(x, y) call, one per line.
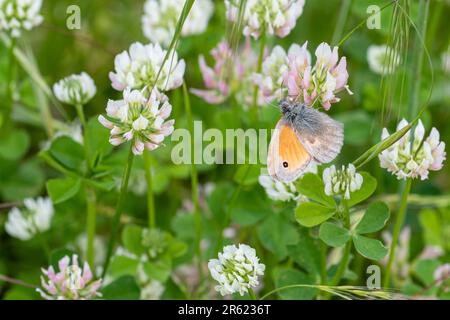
point(262, 48)
point(341, 21)
point(91, 223)
point(194, 182)
point(418, 55)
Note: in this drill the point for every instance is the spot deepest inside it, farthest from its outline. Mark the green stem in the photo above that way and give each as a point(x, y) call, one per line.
point(118, 212)
point(252, 294)
point(81, 116)
point(194, 182)
point(346, 256)
point(91, 199)
point(396, 232)
point(150, 197)
point(258, 70)
point(91, 225)
point(342, 19)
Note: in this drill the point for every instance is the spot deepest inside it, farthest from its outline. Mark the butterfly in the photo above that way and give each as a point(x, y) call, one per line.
point(302, 135)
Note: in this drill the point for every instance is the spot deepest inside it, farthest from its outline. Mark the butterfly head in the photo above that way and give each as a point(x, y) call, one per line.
point(291, 109)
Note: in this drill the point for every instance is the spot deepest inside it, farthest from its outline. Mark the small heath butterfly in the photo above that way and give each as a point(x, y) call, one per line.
point(302, 135)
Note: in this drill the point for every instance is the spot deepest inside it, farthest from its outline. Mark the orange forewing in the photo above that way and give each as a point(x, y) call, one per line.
point(291, 150)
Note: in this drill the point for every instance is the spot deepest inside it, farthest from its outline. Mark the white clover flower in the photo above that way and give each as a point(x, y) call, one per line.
point(270, 80)
point(343, 181)
point(35, 218)
point(138, 119)
point(382, 59)
point(161, 16)
point(236, 270)
point(275, 17)
point(412, 160)
point(72, 130)
point(77, 89)
point(277, 190)
point(280, 191)
point(150, 289)
point(18, 15)
point(71, 282)
point(139, 67)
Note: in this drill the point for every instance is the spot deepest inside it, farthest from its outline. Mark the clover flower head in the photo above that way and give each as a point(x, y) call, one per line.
point(280, 191)
point(277, 190)
point(18, 15)
point(431, 252)
point(275, 17)
point(382, 59)
point(270, 80)
point(161, 16)
point(138, 119)
point(35, 218)
point(229, 75)
point(155, 241)
point(71, 282)
point(72, 130)
point(139, 67)
point(216, 79)
point(413, 156)
point(309, 84)
point(77, 89)
point(342, 181)
point(150, 289)
point(236, 270)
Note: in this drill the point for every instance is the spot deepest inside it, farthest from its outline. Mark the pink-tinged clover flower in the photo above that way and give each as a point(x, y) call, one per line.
point(161, 16)
point(216, 79)
point(138, 119)
point(139, 67)
point(319, 83)
point(442, 276)
point(71, 282)
point(229, 75)
point(275, 17)
point(413, 156)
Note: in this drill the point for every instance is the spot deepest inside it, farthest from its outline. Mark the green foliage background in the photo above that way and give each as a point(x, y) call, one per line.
point(291, 252)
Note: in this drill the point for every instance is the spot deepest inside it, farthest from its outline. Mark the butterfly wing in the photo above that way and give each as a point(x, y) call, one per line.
point(321, 136)
point(287, 157)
